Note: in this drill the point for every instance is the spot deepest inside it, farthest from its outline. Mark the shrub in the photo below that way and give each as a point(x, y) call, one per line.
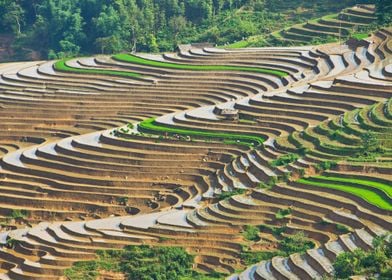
point(284, 160)
point(122, 200)
point(251, 233)
point(18, 214)
point(348, 263)
point(342, 228)
point(302, 151)
point(371, 263)
point(226, 195)
point(252, 257)
point(11, 243)
point(154, 63)
point(325, 165)
point(272, 181)
point(276, 231)
point(283, 213)
point(297, 243)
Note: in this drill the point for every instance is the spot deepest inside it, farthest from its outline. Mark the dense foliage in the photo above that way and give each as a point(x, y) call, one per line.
point(62, 28)
point(384, 11)
point(139, 262)
point(296, 243)
point(375, 262)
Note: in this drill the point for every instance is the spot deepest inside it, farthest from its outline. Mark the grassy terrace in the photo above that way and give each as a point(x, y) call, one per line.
point(150, 126)
point(129, 58)
point(62, 66)
point(375, 193)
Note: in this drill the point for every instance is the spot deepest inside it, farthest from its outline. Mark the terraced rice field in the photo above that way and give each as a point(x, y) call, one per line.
point(334, 26)
point(352, 22)
point(103, 152)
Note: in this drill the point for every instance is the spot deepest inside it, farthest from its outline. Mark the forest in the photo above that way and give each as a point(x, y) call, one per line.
point(65, 28)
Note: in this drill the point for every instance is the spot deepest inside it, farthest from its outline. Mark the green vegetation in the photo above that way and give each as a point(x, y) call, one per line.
point(384, 12)
point(251, 233)
point(342, 229)
point(153, 63)
point(140, 262)
point(282, 213)
point(355, 181)
point(284, 160)
point(11, 243)
point(325, 165)
point(61, 65)
point(252, 257)
point(150, 126)
point(122, 200)
point(296, 243)
point(227, 195)
point(360, 36)
point(369, 191)
point(375, 264)
point(64, 28)
point(276, 231)
point(18, 214)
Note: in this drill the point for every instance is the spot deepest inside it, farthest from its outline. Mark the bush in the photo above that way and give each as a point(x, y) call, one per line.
point(297, 243)
point(18, 214)
point(272, 181)
point(342, 228)
point(359, 262)
point(251, 257)
point(226, 195)
point(325, 165)
point(284, 160)
point(276, 231)
point(251, 233)
point(348, 263)
point(282, 213)
point(154, 63)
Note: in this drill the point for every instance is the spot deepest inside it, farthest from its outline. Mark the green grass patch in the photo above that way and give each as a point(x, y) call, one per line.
point(150, 126)
point(360, 36)
point(153, 63)
point(365, 194)
point(62, 66)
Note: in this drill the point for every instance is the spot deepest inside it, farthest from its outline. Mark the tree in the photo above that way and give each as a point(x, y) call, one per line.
point(384, 12)
point(295, 243)
point(12, 16)
point(177, 24)
point(375, 262)
point(348, 263)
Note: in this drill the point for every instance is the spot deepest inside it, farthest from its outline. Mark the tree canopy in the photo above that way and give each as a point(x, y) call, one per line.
point(62, 28)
